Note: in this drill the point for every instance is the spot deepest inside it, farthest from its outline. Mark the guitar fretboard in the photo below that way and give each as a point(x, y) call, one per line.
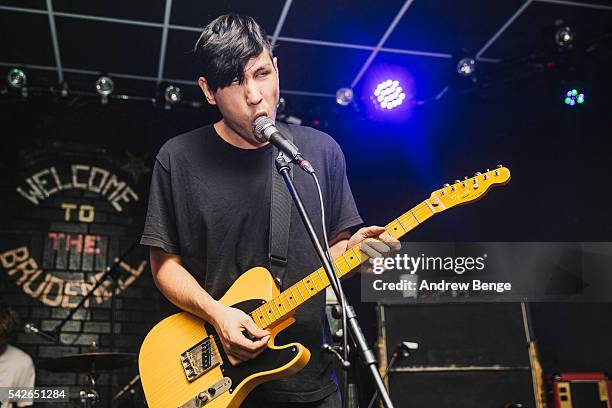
point(275, 310)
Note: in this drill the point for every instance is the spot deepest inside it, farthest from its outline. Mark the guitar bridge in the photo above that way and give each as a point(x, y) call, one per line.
point(199, 359)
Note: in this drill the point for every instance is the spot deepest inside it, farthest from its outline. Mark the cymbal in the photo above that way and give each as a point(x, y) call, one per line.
point(86, 362)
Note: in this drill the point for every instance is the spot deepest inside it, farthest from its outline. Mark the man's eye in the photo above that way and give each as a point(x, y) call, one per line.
point(235, 81)
point(264, 73)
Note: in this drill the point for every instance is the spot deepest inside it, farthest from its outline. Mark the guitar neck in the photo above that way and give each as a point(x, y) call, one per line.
point(278, 308)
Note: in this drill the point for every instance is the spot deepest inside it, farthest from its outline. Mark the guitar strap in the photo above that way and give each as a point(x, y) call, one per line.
point(280, 215)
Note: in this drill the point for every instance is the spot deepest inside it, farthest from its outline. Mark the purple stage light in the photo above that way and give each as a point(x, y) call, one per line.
point(388, 95)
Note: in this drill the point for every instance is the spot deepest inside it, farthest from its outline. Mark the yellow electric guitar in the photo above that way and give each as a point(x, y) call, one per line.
point(182, 363)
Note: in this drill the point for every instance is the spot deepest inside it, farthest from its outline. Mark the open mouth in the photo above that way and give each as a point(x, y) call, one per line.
point(259, 114)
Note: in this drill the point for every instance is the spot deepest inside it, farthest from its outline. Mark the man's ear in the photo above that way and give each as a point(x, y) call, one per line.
point(275, 62)
point(208, 94)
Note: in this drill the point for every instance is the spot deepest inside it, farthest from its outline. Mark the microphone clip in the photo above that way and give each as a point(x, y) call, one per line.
point(281, 162)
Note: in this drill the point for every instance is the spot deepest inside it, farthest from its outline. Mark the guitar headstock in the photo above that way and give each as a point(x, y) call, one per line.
point(469, 189)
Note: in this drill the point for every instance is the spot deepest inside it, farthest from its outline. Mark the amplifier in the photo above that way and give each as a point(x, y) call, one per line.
point(582, 390)
point(469, 355)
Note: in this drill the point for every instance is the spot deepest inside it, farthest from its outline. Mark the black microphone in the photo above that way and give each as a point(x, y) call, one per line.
point(264, 129)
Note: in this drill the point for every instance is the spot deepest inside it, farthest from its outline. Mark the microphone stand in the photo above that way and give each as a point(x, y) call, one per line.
point(365, 352)
point(111, 270)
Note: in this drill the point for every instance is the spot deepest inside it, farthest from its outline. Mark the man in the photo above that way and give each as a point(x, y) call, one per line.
point(209, 210)
point(16, 367)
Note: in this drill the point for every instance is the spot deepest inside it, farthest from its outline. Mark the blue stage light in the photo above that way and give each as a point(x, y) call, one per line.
point(388, 95)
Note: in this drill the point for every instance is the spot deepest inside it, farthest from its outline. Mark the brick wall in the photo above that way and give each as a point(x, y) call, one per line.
point(74, 258)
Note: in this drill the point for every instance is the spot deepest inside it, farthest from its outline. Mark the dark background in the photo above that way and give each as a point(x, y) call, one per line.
point(559, 156)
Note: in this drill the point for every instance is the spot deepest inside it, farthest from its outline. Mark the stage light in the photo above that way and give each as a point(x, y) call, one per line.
point(64, 90)
point(281, 105)
point(388, 95)
point(564, 37)
point(344, 96)
point(466, 67)
point(16, 78)
point(104, 87)
point(574, 97)
point(173, 95)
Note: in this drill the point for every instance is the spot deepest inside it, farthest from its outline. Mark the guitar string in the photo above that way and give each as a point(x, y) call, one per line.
point(421, 210)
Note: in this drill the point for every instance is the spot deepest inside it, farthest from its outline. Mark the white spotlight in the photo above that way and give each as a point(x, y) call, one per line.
point(564, 37)
point(466, 67)
point(173, 95)
point(344, 96)
point(105, 86)
point(282, 104)
point(16, 78)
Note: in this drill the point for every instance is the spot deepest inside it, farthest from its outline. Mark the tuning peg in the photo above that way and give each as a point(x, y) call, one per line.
point(457, 181)
point(465, 177)
point(446, 185)
point(488, 170)
point(477, 174)
point(486, 176)
point(499, 166)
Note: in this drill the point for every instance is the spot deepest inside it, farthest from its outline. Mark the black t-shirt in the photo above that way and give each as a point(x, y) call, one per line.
point(209, 202)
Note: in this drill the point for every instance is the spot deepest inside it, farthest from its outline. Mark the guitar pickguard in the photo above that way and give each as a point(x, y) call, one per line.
point(268, 360)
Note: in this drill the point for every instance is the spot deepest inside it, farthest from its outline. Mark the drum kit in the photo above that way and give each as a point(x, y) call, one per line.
point(92, 363)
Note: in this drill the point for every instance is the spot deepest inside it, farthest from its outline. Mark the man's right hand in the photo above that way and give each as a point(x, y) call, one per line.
point(230, 324)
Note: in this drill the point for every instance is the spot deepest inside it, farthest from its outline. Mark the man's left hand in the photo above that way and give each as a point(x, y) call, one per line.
point(374, 241)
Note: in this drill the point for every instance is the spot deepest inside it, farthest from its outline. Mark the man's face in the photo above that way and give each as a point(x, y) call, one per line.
point(258, 95)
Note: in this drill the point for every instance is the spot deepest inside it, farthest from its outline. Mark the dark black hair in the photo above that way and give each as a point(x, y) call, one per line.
point(9, 321)
point(226, 45)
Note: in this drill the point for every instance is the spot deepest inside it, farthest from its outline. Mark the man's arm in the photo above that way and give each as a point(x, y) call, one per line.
point(181, 288)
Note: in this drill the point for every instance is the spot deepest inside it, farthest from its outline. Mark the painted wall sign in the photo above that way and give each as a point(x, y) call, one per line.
point(46, 182)
point(82, 213)
point(54, 291)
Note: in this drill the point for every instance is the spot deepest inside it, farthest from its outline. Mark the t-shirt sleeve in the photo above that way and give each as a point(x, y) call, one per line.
point(160, 224)
point(27, 379)
point(343, 210)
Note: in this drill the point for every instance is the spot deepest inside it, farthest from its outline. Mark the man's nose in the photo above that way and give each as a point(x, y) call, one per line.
point(253, 93)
